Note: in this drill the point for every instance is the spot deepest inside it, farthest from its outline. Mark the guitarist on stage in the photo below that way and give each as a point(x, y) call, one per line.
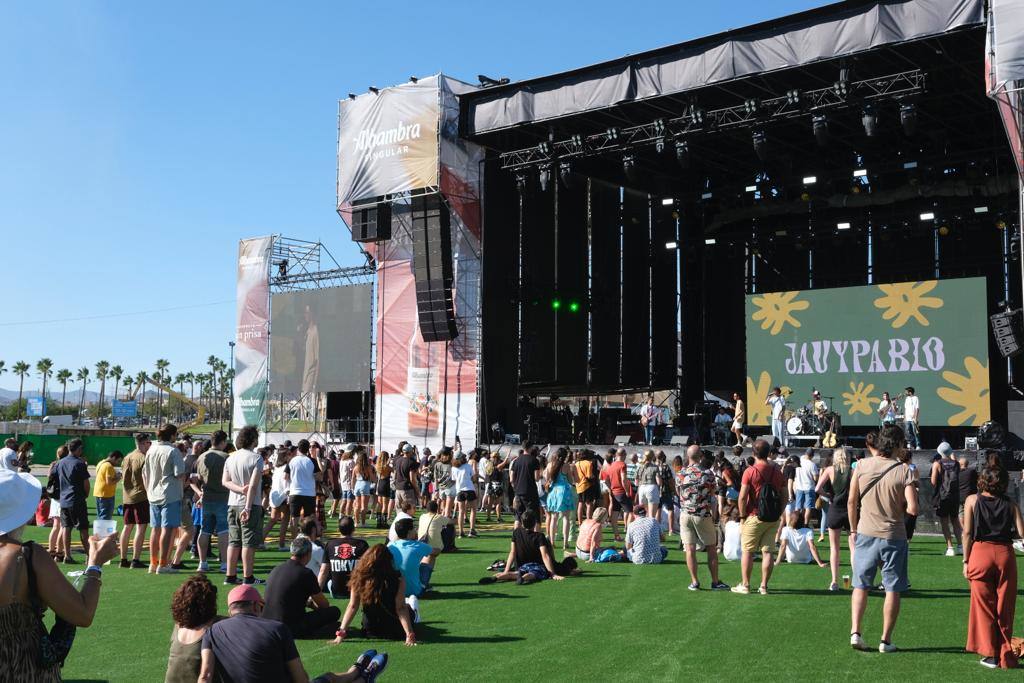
point(650, 416)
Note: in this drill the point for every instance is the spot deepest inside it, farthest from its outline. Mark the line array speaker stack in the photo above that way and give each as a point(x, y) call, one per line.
point(372, 223)
point(432, 266)
point(1007, 330)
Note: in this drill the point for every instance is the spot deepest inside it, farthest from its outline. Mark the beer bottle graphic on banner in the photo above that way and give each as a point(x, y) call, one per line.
point(421, 385)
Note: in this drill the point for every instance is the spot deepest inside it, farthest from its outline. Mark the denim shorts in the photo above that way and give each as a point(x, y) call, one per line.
point(869, 552)
point(215, 518)
point(165, 516)
point(804, 500)
point(346, 494)
point(104, 508)
point(538, 570)
point(363, 488)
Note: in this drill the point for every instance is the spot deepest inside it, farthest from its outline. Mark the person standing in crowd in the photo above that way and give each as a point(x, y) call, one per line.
point(760, 510)
point(379, 590)
point(778, 406)
point(364, 478)
point(739, 417)
point(423, 473)
point(561, 498)
point(668, 490)
point(341, 554)
point(804, 483)
point(9, 455)
point(33, 582)
point(588, 488)
point(911, 417)
point(945, 480)
point(345, 466)
point(643, 540)
point(384, 493)
point(246, 647)
point(242, 474)
point(54, 542)
point(105, 487)
point(523, 475)
point(464, 478)
point(73, 479)
point(621, 492)
point(187, 532)
point(163, 473)
point(882, 493)
point(290, 586)
point(193, 610)
point(406, 476)
point(648, 481)
point(496, 487)
point(135, 502)
point(444, 489)
point(967, 482)
point(696, 489)
point(212, 496)
point(990, 518)
point(301, 485)
point(837, 475)
point(279, 510)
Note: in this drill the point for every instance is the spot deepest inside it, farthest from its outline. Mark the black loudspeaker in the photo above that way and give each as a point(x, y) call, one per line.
point(1006, 328)
point(371, 223)
point(432, 267)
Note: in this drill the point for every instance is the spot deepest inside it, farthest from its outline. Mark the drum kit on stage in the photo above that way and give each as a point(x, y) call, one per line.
point(805, 422)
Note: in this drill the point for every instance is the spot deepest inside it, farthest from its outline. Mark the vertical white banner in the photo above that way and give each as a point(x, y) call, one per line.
point(252, 338)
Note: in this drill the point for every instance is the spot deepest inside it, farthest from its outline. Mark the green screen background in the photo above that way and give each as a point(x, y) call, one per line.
point(954, 311)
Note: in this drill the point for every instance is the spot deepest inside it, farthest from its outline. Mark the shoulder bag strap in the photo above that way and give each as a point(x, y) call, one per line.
point(879, 478)
point(28, 552)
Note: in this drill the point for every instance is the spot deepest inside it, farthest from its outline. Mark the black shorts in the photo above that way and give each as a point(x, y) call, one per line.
point(947, 508)
point(837, 518)
point(383, 487)
point(302, 506)
point(622, 503)
point(75, 517)
point(591, 494)
point(521, 504)
point(466, 496)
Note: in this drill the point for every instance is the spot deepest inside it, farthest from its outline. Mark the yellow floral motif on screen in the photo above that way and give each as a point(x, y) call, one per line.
point(759, 414)
point(970, 392)
point(904, 300)
point(859, 399)
point(776, 309)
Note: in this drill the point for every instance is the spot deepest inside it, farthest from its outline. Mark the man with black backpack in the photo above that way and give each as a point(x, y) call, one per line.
point(762, 499)
point(945, 478)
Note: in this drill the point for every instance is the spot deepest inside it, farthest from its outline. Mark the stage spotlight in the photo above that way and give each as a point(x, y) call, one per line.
point(860, 173)
point(842, 226)
point(683, 154)
point(556, 304)
point(544, 148)
point(613, 134)
point(810, 180)
point(545, 177)
point(760, 141)
point(751, 106)
point(521, 181)
point(1001, 225)
point(927, 216)
point(574, 306)
point(869, 118)
point(707, 195)
point(944, 230)
point(668, 201)
point(659, 145)
point(908, 119)
point(659, 128)
point(671, 245)
point(696, 115)
point(565, 173)
point(710, 241)
point(751, 188)
point(577, 142)
point(793, 98)
point(819, 124)
point(629, 167)
point(805, 196)
point(981, 209)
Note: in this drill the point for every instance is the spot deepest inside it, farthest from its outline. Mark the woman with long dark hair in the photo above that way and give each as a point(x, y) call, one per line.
point(378, 589)
point(364, 477)
point(991, 567)
point(385, 498)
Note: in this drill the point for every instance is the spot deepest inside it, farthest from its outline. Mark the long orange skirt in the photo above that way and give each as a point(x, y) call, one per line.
point(992, 571)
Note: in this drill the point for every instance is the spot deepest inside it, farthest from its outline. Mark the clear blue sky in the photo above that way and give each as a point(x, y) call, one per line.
point(140, 141)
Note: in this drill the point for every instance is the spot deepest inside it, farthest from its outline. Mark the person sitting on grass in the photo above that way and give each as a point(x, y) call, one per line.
point(406, 509)
point(797, 543)
point(530, 557)
point(588, 542)
point(379, 590)
point(643, 539)
point(342, 555)
point(246, 648)
point(290, 586)
point(194, 610)
point(411, 556)
point(310, 528)
point(430, 526)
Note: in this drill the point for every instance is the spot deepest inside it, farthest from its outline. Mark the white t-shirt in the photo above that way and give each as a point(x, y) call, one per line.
point(392, 536)
point(239, 467)
point(732, 548)
point(911, 407)
point(9, 458)
point(345, 468)
point(805, 475)
point(778, 404)
point(300, 474)
point(316, 559)
point(462, 477)
point(797, 543)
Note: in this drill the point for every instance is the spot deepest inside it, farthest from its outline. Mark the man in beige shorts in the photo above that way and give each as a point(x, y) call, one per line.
point(696, 488)
point(758, 535)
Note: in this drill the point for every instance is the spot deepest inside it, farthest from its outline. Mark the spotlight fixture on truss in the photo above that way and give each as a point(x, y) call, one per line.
point(760, 141)
point(565, 173)
point(869, 118)
point(629, 167)
point(819, 124)
point(683, 154)
point(545, 177)
point(612, 134)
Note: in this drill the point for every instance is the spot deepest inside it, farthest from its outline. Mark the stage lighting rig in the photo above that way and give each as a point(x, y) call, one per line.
point(576, 142)
point(545, 176)
point(869, 118)
point(683, 154)
point(760, 141)
point(842, 86)
point(696, 115)
point(819, 125)
point(544, 148)
point(908, 118)
point(565, 174)
point(752, 106)
point(793, 98)
point(629, 167)
point(521, 181)
point(612, 134)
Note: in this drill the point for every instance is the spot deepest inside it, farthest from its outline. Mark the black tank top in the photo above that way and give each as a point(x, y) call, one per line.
point(993, 519)
point(840, 486)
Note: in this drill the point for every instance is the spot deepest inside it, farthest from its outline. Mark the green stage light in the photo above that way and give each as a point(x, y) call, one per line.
point(574, 307)
point(556, 304)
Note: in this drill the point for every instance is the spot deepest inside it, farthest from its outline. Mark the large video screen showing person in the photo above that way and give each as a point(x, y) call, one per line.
point(320, 340)
point(868, 355)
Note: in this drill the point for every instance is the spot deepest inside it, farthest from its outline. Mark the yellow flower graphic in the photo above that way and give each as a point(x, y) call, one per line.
point(971, 393)
point(776, 309)
point(759, 414)
point(859, 399)
point(904, 300)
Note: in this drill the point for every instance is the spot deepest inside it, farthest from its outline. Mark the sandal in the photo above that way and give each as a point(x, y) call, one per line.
point(497, 566)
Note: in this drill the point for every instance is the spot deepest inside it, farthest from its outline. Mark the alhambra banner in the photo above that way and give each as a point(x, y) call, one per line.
point(252, 341)
point(854, 343)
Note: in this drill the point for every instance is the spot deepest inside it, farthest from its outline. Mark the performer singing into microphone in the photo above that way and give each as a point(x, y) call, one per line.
point(778, 404)
point(650, 416)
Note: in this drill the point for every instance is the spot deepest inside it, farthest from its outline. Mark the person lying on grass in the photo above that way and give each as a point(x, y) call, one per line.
point(532, 556)
point(797, 543)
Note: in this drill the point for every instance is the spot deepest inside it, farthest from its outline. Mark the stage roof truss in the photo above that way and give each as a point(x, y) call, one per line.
point(300, 264)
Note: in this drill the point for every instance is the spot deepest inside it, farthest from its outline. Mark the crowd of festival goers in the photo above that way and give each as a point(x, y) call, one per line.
point(222, 503)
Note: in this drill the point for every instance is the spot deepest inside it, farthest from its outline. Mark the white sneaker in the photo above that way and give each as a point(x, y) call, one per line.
point(857, 642)
point(950, 552)
point(1019, 546)
point(887, 647)
point(167, 569)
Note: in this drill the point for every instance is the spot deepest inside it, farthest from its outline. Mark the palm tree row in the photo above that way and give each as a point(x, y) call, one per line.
point(213, 386)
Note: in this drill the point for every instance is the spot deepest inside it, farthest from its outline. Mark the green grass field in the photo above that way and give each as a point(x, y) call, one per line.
point(615, 621)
